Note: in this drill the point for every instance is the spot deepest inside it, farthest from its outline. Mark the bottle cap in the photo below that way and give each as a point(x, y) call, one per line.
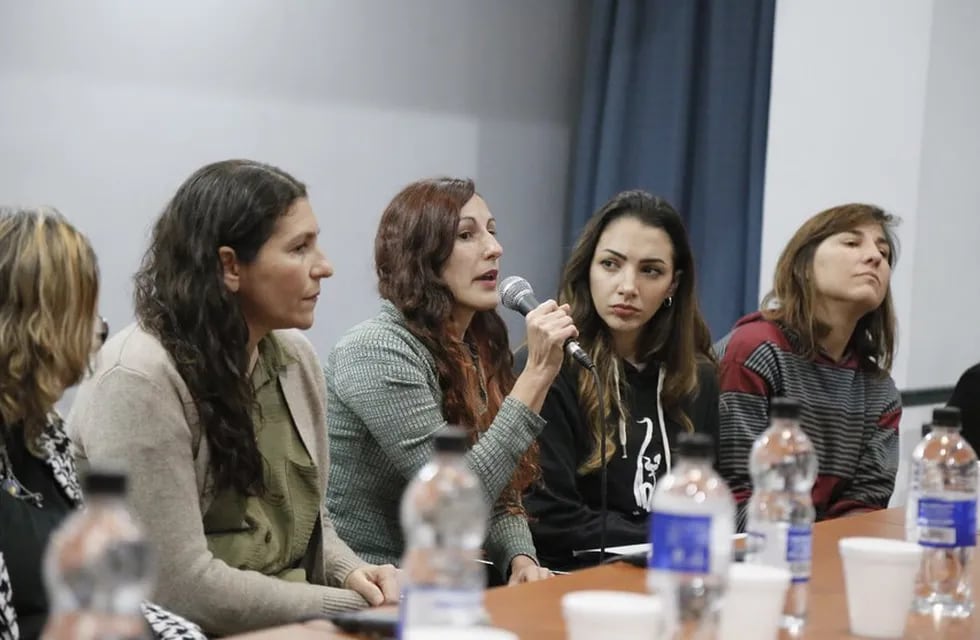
point(103, 482)
point(451, 440)
point(782, 407)
point(946, 417)
point(695, 445)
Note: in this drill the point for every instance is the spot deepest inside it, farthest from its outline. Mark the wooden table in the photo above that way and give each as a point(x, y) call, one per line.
point(533, 611)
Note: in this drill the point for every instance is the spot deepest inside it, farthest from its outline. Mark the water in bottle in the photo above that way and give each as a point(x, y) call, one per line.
point(98, 564)
point(779, 515)
point(444, 520)
point(941, 515)
point(691, 529)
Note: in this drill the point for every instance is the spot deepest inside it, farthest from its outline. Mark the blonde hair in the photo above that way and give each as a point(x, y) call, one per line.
point(49, 286)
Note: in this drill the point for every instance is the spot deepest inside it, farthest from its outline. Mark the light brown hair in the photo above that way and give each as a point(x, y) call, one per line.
point(793, 300)
point(49, 288)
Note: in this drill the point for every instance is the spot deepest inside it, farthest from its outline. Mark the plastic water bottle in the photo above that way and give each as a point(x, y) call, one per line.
point(691, 529)
point(779, 516)
point(98, 565)
point(444, 519)
point(941, 515)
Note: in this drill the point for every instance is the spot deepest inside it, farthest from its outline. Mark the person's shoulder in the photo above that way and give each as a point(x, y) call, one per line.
point(137, 351)
point(883, 384)
point(132, 364)
point(707, 372)
point(970, 380)
point(966, 397)
point(296, 344)
point(750, 333)
point(300, 353)
point(386, 330)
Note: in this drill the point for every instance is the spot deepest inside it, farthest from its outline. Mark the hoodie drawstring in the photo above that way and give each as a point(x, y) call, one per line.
point(660, 414)
point(622, 419)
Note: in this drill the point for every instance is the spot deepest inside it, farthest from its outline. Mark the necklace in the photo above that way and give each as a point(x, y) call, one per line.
point(482, 407)
point(10, 485)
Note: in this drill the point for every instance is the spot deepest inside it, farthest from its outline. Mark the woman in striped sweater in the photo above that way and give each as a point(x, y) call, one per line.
point(826, 337)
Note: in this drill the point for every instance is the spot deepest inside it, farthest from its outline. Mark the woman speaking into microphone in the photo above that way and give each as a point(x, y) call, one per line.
point(437, 353)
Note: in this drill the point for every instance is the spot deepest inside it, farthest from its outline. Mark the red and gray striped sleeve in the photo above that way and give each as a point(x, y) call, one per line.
point(748, 375)
point(873, 481)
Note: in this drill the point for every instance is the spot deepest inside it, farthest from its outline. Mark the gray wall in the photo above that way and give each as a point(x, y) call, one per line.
point(845, 124)
point(888, 114)
point(105, 106)
point(945, 316)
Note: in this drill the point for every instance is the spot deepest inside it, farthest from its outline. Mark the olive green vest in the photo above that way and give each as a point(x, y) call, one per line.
point(269, 534)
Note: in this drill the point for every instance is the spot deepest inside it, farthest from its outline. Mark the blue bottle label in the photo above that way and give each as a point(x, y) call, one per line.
point(947, 523)
point(426, 605)
point(777, 544)
point(681, 543)
point(799, 550)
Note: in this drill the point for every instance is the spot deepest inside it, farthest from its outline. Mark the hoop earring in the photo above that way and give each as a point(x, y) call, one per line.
point(669, 302)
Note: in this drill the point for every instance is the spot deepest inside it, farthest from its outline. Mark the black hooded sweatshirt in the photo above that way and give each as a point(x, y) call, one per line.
point(564, 506)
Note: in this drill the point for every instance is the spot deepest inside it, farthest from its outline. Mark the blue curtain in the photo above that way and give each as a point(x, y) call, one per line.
point(676, 102)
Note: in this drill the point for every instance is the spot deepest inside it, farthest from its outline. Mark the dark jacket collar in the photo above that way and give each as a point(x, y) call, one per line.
point(56, 447)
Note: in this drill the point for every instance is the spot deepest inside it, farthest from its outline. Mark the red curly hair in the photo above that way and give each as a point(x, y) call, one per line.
point(415, 239)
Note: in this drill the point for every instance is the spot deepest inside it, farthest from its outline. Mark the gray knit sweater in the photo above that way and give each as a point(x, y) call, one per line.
point(383, 407)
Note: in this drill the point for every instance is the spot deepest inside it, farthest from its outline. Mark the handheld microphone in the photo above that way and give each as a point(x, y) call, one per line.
point(516, 294)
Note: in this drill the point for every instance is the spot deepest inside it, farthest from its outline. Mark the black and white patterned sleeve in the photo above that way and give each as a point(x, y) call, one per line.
point(165, 625)
point(170, 626)
point(8, 617)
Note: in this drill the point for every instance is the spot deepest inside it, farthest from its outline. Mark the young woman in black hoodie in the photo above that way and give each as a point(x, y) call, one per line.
point(630, 285)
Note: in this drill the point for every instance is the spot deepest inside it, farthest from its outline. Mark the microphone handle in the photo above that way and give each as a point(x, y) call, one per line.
point(577, 353)
point(527, 303)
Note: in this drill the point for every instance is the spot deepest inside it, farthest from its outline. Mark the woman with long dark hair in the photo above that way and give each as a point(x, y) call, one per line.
point(825, 337)
point(630, 284)
point(216, 404)
point(437, 353)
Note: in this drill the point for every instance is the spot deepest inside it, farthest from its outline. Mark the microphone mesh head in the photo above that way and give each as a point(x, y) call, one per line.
point(511, 290)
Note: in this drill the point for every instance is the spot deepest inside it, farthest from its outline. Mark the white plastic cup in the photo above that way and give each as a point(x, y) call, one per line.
point(885, 569)
point(457, 633)
point(611, 614)
point(754, 602)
